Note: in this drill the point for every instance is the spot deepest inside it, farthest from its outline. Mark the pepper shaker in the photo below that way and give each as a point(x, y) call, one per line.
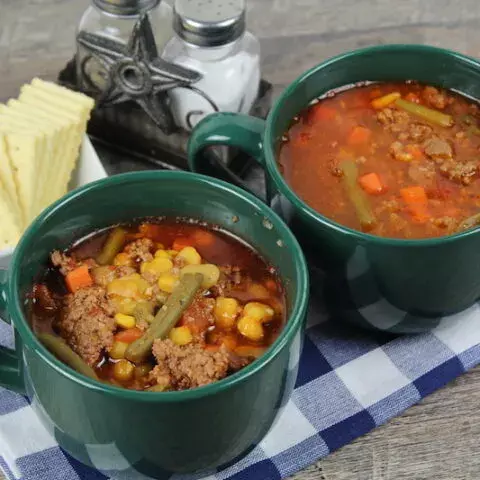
point(115, 19)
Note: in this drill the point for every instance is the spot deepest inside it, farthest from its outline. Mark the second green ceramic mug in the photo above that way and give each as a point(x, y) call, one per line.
point(394, 285)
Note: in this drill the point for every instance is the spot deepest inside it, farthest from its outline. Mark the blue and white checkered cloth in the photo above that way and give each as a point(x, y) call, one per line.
point(349, 382)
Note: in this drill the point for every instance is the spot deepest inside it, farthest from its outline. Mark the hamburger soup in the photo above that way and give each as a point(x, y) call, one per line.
point(391, 159)
point(158, 306)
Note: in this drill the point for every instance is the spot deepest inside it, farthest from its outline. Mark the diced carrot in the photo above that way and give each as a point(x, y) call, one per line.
point(359, 135)
point(78, 278)
point(412, 97)
point(182, 242)
point(419, 213)
point(414, 194)
point(375, 93)
point(129, 335)
point(371, 183)
point(323, 113)
point(385, 101)
point(415, 151)
point(417, 202)
point(203, 238)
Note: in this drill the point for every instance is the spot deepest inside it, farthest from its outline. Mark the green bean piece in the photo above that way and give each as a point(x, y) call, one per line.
point(161, 297)
point(425, 113)
point(60, 349)
point(166, 317)
point(113, 245)
point(143, 312)
point(356, 195)
point(468, 223)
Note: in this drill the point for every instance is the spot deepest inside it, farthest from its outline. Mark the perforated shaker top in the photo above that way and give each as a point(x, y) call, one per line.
point(209, 23)
point(125, 7)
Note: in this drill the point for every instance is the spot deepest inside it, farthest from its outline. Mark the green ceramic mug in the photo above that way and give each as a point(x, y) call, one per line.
point(157, 433)
point(390, 284)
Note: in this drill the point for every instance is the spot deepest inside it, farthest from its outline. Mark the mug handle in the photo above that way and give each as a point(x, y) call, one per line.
point(10, 373)
point(227, 129)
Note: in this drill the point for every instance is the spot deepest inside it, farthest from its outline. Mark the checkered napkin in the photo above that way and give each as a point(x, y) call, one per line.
point(349, 382)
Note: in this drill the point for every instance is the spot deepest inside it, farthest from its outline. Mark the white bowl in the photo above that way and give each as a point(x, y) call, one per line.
point(88, 169)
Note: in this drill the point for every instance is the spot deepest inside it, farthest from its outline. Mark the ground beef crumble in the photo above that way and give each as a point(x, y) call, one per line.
point(438, 149)
point(188, 366)
point(393, 120)
point(434, 98)
point(416, 132)
point(87, 323)
point(399, 152)
point(463, 173)
point(140, 250)
point(64, 262)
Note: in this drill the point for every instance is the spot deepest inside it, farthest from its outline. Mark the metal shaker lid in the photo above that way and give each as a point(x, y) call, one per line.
point(125, 7)
point(209, 23)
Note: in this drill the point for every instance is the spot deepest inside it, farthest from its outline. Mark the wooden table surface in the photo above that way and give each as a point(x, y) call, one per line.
point(439, 438)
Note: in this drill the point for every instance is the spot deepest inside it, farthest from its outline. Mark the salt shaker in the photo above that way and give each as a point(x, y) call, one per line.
point(211, 38)
point(115, 20)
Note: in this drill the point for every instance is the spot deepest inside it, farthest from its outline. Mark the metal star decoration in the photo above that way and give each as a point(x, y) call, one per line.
point(136, 73)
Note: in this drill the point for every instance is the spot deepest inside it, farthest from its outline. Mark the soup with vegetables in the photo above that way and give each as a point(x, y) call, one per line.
point(391, 159)
point(158, 306)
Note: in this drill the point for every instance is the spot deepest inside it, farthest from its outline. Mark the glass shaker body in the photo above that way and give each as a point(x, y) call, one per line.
point(90, 73)
point(230, 78)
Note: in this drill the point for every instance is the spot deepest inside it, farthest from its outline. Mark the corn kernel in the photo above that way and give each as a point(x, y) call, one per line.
point(190, 255)
point(122, 304)
point(124, 321)
point(210, 272)
point(161, 254)
point(123, 370)
point(157, 266)
point(257, 290)
point(122, 260)
point(167, 282)
point(250, 328)
point(172, 253)
point(180, 335)
point(132, 286)
point(226, 311)
point(118, 350)
point(259, 311)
